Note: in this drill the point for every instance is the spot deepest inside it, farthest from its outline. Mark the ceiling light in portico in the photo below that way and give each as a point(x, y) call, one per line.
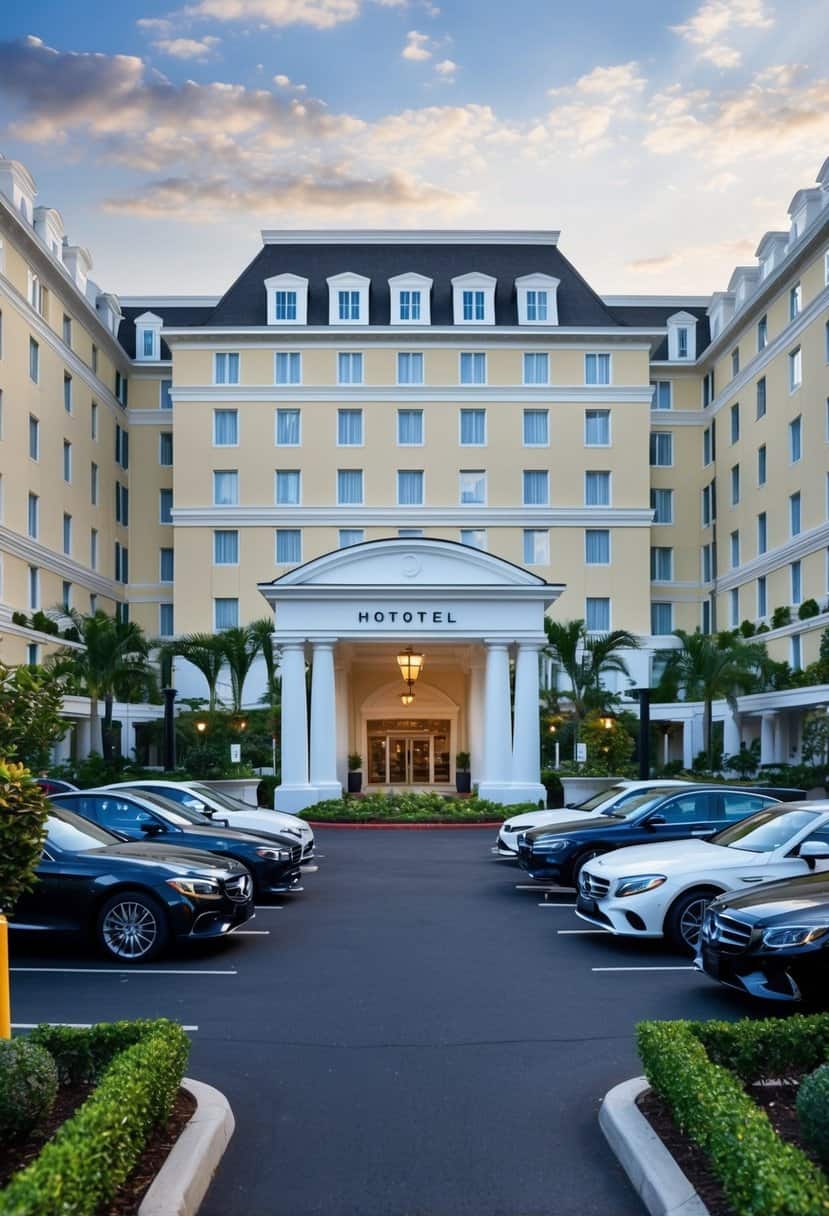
point(406, 698)
point(410, 665)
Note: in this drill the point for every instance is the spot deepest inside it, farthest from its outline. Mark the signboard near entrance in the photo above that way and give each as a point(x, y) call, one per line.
point(406, 616)
point(235, 753)
point(581, 753)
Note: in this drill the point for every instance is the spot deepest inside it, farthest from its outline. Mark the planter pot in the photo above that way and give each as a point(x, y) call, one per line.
point(243, 788)
point(463, 782)
point(576, 789)
point(355, 781)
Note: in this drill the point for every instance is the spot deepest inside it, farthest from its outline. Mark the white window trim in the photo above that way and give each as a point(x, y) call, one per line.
point(221, 565)
point(467, 409)
point(410, 282)
point(216, 627)
point(609, 611)
point(537, 282)
point(485, 499)
point(150, 321)
point(682, 320)
point(546, 502)
point(352, 409)
point(287, 282)
point(276, 354)
point(599, 410)
point(410, 409)
point(276, 501)
point(422, 473)
point(362, 473)
point(609, 503)
point(609, 355)
point(225, 410)
point(524, 354)
point(276, 561)
point(535, 410)
point(481, 548)
point(475, 281)
point(473, 383)
point(348, 281)
point(609, 561)
point(410, 383)
point(795, 386)
point(545, 561)
point(276, 413)
point(238, 355)
point(351, 353)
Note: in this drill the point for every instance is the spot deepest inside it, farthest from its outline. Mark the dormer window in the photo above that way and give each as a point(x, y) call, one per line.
point(537, 299)
point(348, 299)
point(148, 336)
point(473, 298)
point(682, 342)
point(682, 336)
point(410, 299)
point(287, 299)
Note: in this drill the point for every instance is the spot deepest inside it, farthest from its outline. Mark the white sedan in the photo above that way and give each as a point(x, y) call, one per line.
point(596, 804)
point(663, 890)
point(217, 805)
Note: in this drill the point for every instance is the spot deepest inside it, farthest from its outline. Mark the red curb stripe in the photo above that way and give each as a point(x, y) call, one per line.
point(406, 826)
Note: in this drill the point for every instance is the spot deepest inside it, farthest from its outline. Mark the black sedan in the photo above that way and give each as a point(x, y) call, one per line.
point(771, 942)
point(557, 854)
point(133, 899)
point(273, 860)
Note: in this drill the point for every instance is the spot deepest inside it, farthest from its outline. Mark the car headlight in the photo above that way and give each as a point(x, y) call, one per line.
point(274, 854)
point(637, 886)
point(196, 888)
point(794, 935)
point(550, 846)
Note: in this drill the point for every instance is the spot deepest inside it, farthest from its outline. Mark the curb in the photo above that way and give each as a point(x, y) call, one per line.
point(406, 827)
point(181, 1184)
point(652, 1170)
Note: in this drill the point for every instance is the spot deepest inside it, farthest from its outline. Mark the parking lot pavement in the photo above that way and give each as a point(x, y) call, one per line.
point(409, 1037)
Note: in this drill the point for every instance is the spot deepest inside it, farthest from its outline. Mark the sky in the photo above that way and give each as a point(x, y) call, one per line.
point(662, 137)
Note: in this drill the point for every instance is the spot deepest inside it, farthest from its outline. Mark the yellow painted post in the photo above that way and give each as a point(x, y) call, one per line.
point(5, 1001)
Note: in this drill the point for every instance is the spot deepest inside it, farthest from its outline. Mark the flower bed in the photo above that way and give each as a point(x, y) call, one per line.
point(411, 808)
point(701, 1070)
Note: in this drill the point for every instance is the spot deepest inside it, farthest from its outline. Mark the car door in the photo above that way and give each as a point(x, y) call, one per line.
point(122, 815)
point(818, 864)
point(690, 813)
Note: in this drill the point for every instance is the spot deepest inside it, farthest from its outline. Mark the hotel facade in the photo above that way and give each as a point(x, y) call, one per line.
point(421, 440)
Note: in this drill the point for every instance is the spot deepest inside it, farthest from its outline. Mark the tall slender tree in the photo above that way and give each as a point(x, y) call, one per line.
point(207, 654)
point(585, 658)
point(240, 648)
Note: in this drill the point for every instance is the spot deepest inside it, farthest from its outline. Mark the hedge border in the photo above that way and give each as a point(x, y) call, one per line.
point(138, 1067)
point(698, 1069)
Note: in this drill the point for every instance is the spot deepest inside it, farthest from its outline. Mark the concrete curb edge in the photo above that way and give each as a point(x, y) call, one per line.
point(181, 1184)
point(652, 1170)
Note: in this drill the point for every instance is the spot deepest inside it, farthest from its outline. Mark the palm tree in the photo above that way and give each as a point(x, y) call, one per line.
point(586, 657)
point(240, 648)
point(207, 654)
point(261, 633)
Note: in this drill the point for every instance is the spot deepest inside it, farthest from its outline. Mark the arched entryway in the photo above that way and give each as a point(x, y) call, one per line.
point(413, 745)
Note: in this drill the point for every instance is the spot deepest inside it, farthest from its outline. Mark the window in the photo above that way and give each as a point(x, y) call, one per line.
point(225, 613)
point(93, 421)
point(409, 368)
point(32, 654)
point(708, 388)
point(165, 448)
point(536, 547)
point(734, 541)
point(287, 428)
point(351, 536)
point(410, 296)
point(225, 428)
point(93, 554)
point(165, 398)
point(34, 588)
point(473, 306)
point(472, 483)
point(348, 299)
point(166, 563)
point(536, 428)
point(66, 595)
point(35, 292)
point(94, 358)
point(761, 465)
point(735, 362)
point(67, 392)
point(682, 342)
point(475, 538)
point(762, 533)
point(662, 505)
point(597, 614)
point(796, 582)
point(794, 514)
point(596, 489)
point(122, 507)
point(796, 656)
point(349, 487)
point(226, 547)
point(662, 449)
point(735, 422)
point(121, 387)
point(67, 533)
point(409, 305)
point(762, 597)
point(536, 369)
point(34, 361)
point(735, 485)
point(707, 445)
point(535, 487)
point(288, 488)
point(147, 343)
point(287, 299)
point(225, 487)
point(226, 368)
point(284, 305)
point(121, 564)
point(795, 369)
point(705, 616)
point(350, 428)
point(707, 512)
point(662, 564)
point(707, 563)
point(33, 516)
point(662, 618)
point(165, 506)
point(762, 333)
point(597, 428)
point(287, 367)
point(473, 428)
point(165, 620)
point(597, 546)
point(473, 367)
point(349, 368)
point(597, 369)
point(66, 330)
point(734, 607)
point(410, 487)
point(795, 300)
point(288, 546)
point(795, 439)
point(536, 305)
point(34, 438)
point(410, 428)
point(122, 454)
point(761, 397)
point(348, 306)
point(662, 395)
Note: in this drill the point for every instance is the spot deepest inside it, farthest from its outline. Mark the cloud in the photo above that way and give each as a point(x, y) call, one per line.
point(446, 69)
point(187, 48)
point(728, 250)
point(716, 18)
point(613, 83)
point(597, 100)
point(161, 26)
point(416, 47)
point(320, 14)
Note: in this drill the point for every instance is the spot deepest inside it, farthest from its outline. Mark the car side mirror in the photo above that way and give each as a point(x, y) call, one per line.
point(812, 851)
point(225, 823)
point(656, 821)
point(151, 828)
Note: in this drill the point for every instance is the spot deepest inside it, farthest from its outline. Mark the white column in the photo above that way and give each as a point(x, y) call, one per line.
point(497, 759)
point(731, 734)
point(475, 718)
point(767, 738)
point(324, 722)
point(294, 793)
point(526, 746)
point(341, 699)
point(84, 738)
point(128, 738)
point(687, 743)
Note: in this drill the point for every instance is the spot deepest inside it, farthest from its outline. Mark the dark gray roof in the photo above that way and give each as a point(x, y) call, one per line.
point(656, 316)
point(171, 315)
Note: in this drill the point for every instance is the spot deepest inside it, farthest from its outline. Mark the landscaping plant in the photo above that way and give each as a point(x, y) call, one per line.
point(411, 808)
point(23, 810)
point(28, 1085)
point(813, 1112)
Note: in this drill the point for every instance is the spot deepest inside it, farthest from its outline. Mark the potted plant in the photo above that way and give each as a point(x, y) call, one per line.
point(463, 777)
point(355, 772)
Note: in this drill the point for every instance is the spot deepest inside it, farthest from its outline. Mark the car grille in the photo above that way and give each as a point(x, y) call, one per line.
point(240, 888)
point(296, 854)
point(593, 886)
point(727, 933)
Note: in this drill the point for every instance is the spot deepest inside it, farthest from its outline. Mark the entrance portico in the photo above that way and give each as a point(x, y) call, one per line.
point(349, 613)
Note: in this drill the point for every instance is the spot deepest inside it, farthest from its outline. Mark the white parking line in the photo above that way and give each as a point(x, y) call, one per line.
point(73, 1025)
point(251, 933)
point(114, 971)
point(565, 932)
point(268, 907)
point(643, 968)
point(546, 904)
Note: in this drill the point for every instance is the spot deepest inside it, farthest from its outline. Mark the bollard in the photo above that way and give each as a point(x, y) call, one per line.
point(5, 1002)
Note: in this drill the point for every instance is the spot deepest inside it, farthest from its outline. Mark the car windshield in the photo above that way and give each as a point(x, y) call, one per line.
point(220, 799)
point(638, 801)
point(72, 834)
point(596, 800)
point(181, 816)
point(765, 831)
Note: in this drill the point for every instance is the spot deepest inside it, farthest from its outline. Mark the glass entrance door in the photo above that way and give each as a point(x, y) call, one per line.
point(403, 752)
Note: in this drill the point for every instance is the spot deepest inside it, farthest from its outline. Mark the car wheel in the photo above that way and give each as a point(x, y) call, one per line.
point(683, 923)
point(580, 863)
point(132, 927)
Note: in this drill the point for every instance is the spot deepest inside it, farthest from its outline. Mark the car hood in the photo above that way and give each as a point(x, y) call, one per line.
point(231, 836)
point(791, 900)
point(181, 861)
point(267, 822)
point(674, 857)
point(544, 819)
point(583, 823)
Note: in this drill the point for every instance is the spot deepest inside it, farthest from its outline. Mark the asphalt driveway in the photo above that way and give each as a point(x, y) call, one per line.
point(410, 1036)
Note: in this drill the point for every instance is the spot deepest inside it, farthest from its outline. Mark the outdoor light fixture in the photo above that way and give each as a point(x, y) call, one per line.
point(406, 698)
point(607, 723)
point(410, 665)
point(201, 727)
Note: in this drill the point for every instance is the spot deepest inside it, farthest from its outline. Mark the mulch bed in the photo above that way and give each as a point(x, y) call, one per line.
point(126, 1203)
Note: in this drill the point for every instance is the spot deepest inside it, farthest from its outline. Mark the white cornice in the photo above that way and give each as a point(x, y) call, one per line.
point(798, 547)
point(169, 301)
point(662, 418)
point(656, 301)
point(593, 393)
point(193, 337)
point(35, 554)
point(150, 417)
point(392, 517)
point(408, 236)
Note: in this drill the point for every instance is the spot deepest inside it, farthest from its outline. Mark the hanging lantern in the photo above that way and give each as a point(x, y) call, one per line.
point(409, 664)
point(406, 698)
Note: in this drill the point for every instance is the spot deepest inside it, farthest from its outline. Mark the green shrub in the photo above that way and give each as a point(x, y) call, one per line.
point(767, 1047)
point(91, 1155)
point(813, 1111)
point(23, 809)
point(781, 616)
point(807, 609)
point(28, 1084)
point(411, 808)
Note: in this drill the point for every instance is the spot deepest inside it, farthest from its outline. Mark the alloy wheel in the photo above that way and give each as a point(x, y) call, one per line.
point(690, 923)
point(129, 930)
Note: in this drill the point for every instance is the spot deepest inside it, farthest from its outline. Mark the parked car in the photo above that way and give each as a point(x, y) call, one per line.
point(771, 942)
point(215, 804)
point(665, 889)
point(272, 860)
point(605, 800)
point(131, 898)
point(54, 785)
point(557, 854)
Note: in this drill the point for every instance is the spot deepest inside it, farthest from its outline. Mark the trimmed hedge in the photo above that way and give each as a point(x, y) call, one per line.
point(761, 1175)
point(411, 808)
point(138, 1066)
